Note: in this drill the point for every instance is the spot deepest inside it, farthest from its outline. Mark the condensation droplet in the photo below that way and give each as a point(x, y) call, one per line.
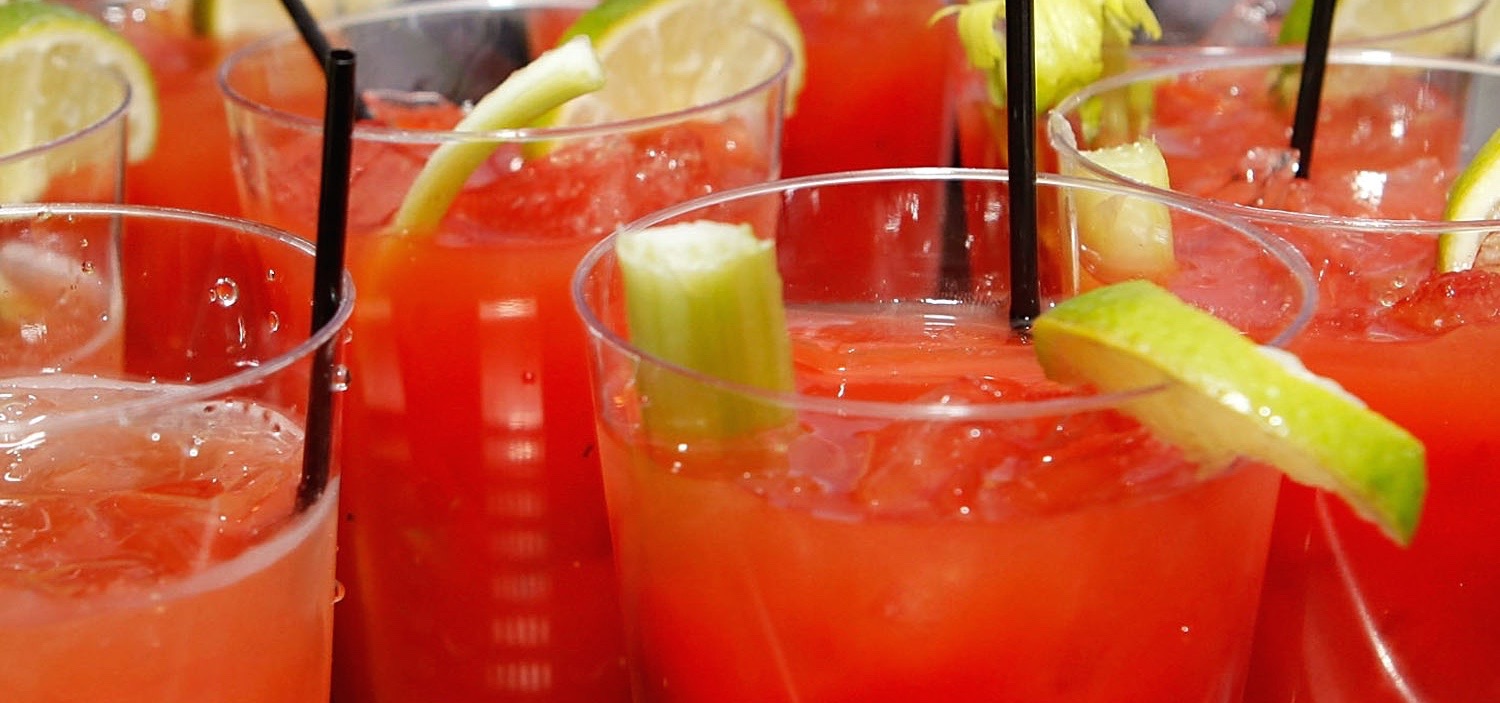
point(340, 379)
point(226, 292)
point(273, 321)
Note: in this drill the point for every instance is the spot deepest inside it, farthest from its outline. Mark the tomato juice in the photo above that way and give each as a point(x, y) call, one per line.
point(155, 540)
point(1347, 614)
point(190, 167)
point(877, 96)
point(471, 454)
point(474, 543)
point(899, 560)
point(939, 521)
point(877, 92)
point(147, 560)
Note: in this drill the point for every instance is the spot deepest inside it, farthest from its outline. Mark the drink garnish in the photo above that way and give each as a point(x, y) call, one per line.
point(1474, 195)
point(1121, 236)
point(656, 54)
point(48, 56)
point(644, 58)
point(1072, 38)
point(1221, 396)
point(551, 79)
point(706, 296)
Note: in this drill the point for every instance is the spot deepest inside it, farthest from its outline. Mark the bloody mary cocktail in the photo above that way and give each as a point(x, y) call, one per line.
point(474, 544)
point(878, 95)
point(939, 521)
point(150, 544)
point(190, 166)
point(1347, 615)
point(877, 92)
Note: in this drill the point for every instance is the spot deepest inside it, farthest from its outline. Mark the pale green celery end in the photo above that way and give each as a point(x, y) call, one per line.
point(729, 323)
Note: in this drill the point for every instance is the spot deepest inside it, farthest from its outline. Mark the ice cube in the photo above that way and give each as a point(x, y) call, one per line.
point(998, 469)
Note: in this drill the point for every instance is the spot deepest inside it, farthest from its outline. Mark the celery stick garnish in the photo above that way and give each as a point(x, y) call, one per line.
point(1070, 37)
point(706, 296)
point(551, 79)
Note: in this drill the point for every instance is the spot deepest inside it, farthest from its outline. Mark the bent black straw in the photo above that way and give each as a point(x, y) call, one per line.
point(312, 35)
point(328, 272)
point(1020, 87)
point(1310, 90)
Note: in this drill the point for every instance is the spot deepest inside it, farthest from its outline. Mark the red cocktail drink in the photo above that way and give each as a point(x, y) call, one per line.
point(190, 166)
point(878, 95)
point(474, 543)
point(940, 522)
point(153, 546)
point(877, 92)
point(1348, 615)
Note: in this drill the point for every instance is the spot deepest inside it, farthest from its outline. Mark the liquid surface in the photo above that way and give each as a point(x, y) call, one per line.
point(155, 559)
point(1010, 549)
point(135, 505)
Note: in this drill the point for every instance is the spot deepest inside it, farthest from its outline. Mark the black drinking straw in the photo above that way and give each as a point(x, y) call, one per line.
point(1020, 87)
point(317, 43)
point(328, 272)
point(1310, 91)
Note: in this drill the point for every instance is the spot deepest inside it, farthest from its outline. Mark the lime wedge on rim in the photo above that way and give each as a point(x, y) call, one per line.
point(47, 57)
point(1120, 236)
point(1223, 396)
point(1474, 195)
point(529, 92)
point(661, 56)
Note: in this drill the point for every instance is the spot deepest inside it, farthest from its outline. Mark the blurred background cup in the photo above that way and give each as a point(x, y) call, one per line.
point(1347, 614)
point(184, 41)
point(939, 522)
point(1196, 30)
point(474, 544)
point(1453, 28)
point(878, 87)
point(77, 151)
point(154, 547)
point(879, 94)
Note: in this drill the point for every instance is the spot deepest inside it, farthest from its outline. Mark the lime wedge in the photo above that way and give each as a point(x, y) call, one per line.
point(223, 19)
point(706, 296)
point(661, 56)
point(49, 56)
point(1223, 396)
point(1121, 237)
point(1474, 195)
point(531, 91)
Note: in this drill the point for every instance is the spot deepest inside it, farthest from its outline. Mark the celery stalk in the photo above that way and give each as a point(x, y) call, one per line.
point(530, 92)
point(706, 296)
